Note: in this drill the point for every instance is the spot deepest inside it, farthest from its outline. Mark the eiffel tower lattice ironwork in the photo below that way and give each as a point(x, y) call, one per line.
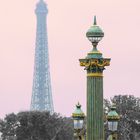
point(41, 91)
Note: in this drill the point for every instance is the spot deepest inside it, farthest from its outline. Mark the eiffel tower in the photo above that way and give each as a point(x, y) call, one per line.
point(41, 90)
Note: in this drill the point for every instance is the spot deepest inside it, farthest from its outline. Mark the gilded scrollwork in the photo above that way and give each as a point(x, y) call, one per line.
point(94, 62)
point(95, 65)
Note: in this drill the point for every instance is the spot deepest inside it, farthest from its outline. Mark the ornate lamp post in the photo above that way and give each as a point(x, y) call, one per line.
point(113, 119)
point(78, 118)
point(94, 64)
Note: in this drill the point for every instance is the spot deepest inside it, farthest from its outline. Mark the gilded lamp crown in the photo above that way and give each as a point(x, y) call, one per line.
point(78, 113)
point(113, 115)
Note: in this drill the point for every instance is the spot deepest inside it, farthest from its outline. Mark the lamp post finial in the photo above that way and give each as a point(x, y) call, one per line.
point(95, 21)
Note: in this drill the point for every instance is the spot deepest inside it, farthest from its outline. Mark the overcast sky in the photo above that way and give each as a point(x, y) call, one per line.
point(68, 22)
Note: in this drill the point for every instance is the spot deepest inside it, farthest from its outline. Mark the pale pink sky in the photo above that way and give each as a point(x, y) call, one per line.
point(68, 21)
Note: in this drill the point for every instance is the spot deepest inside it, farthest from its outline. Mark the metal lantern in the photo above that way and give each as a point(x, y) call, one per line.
point(78, 117)
point(113, 119)
point(95, 33)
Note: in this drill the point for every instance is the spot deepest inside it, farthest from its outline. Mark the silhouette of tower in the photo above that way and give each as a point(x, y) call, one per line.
point(41, 91)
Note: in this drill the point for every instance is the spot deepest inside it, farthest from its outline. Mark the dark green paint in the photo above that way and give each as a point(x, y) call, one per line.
point(95, 22)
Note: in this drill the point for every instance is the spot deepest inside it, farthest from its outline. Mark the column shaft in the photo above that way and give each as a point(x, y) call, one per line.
point(95, 125)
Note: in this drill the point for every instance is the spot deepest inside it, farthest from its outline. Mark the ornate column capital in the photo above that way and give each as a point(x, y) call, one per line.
point(95, 66)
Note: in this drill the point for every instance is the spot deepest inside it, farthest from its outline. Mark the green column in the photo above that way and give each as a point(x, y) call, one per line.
point(95, 108)
point(95, 118)
point(95, 64)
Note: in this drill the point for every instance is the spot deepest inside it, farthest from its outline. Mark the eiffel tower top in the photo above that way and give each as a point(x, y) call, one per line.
point(41, 1)
point(41, 7)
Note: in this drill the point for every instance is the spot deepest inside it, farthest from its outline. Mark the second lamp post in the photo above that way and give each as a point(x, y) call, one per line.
point(113, 119)
point(78, 119)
